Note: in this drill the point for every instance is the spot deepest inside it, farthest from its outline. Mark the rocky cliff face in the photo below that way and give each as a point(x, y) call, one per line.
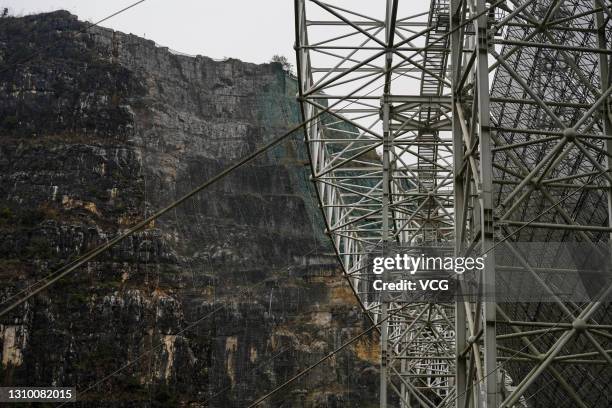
point(219, 301)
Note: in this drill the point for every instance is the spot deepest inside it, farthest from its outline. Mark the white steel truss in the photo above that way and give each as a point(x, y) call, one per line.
point(471, 125)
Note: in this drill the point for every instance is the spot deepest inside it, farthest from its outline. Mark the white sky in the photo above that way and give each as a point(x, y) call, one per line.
point(250, 30)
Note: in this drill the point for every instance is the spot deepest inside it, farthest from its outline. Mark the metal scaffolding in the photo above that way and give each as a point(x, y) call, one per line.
point(467, 126)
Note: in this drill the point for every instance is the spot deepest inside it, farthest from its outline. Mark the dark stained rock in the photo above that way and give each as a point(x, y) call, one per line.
point(214, 304)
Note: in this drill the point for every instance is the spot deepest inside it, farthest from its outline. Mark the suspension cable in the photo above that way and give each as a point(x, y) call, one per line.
point(66, 269)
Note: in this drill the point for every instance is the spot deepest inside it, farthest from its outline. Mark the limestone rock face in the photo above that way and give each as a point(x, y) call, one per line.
point(214, 304)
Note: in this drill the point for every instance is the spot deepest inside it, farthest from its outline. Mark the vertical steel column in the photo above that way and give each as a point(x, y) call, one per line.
point(458, 158)
point(486, 206)
point(385, 245)
point(604, 72)
point(391, 10)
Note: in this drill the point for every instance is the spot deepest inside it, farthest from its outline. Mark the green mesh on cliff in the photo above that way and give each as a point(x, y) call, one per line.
point(278, 111)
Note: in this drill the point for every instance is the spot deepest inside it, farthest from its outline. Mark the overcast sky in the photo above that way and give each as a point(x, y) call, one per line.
point(249, 30)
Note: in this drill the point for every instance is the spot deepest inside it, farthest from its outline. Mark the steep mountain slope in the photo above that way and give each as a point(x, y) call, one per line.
point(213, 305)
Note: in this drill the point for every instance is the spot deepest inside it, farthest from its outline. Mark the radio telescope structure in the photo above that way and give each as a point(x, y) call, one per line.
point(472, 128)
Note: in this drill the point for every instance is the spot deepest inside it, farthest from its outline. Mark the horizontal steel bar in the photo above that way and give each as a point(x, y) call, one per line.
point(552, 46)
point(557, 226)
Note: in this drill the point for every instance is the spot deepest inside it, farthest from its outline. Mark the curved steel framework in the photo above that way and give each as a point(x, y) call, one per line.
point(467, 125)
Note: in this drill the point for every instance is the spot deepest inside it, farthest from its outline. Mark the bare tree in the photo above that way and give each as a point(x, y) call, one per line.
point(281, 59)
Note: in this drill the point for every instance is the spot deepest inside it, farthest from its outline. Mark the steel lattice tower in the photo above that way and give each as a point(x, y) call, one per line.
point(471, 125)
